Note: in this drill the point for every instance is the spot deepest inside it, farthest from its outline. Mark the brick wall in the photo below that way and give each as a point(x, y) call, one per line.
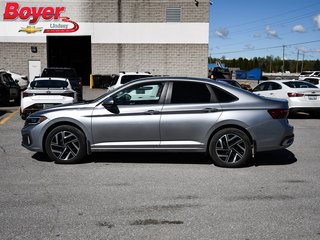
point(15, 56)
point(171, 59)
point(125, 10)
point(159, 59)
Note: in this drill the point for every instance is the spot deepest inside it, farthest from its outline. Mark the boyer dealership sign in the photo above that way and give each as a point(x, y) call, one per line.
point(31, 14)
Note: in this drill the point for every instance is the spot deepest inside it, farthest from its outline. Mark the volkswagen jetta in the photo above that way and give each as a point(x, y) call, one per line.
point(163, 114)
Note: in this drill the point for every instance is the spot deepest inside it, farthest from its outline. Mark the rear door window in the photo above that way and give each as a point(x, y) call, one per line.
point(190, 92)
point(261, 87)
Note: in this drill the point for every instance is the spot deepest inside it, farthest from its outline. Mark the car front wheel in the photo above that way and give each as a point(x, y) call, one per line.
point(65, 144)
point(230, 147)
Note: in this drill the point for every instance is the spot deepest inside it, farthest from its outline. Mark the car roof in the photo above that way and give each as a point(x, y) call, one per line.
point(184, 79)
point(169, 78)
point(50, 78)
point(282, 81)
point(134, 73)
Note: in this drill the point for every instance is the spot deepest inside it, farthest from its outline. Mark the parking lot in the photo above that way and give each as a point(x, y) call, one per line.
point(159, 196)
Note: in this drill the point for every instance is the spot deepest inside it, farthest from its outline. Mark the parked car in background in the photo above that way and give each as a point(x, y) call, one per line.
point(70, 74)
point(46, 92)
point(9, 89)
point(163, 114)
point(22, 80)
point(313, 80)
point(220, 73)
point(301, 95)
point(125, 77)
point(306, 74)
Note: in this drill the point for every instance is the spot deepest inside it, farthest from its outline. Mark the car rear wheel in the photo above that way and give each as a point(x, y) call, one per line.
point(65, 144)
point(230, 147)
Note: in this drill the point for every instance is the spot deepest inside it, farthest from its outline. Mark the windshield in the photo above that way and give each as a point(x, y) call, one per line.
point(104, 95)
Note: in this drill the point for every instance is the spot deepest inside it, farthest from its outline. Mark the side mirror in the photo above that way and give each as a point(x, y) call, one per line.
point(110, 105)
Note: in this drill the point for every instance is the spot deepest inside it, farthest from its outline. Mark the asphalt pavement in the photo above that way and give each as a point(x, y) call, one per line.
point(160, 196)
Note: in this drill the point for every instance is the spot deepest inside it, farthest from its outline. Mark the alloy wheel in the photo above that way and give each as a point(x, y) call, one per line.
point(65, 145)
point(230, 148)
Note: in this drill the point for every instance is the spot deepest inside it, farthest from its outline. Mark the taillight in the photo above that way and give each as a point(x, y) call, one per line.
point(26, 94)
point(278, 113)
point(290, 94)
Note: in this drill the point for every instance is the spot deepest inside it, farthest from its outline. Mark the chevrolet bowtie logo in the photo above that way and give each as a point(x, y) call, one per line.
point(31, 29)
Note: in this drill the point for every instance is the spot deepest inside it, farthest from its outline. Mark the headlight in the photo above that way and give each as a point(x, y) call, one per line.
point(34, 120)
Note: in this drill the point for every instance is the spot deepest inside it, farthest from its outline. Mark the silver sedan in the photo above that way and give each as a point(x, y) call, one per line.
point(163, 114)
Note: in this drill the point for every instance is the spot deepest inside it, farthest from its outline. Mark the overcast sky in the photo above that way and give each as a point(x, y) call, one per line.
point(255, 28)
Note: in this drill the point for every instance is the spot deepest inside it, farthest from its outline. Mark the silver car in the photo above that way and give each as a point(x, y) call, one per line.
point(163, 114)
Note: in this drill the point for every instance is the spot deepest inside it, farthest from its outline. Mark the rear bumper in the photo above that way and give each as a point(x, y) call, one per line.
point(279, 135)
point(287, 141)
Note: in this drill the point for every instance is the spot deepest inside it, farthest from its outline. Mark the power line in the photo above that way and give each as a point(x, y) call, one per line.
point(265, 48)
point(272, 16)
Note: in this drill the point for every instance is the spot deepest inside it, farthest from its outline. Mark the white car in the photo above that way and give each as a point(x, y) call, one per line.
point(46, 92)
point(125, 77)
point(313, 80)
point(306, 74)
point(22, 80)
point(301, 95)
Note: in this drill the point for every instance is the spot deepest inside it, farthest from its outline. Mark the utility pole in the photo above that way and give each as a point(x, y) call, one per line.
point(283, 48)
point(297, 67)
point(270, 64)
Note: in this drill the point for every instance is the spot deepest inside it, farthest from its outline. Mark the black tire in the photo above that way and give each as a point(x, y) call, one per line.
point(23, 116)
point(66, 145)
point(230, 147)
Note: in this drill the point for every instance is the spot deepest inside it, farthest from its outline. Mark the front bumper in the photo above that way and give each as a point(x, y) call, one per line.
point(32, 137)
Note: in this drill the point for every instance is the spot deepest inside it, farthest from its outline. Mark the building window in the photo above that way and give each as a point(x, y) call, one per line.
point(173, 14)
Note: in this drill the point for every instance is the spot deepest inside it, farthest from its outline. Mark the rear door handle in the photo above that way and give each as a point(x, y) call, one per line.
point(152, 112)
point(208, 110)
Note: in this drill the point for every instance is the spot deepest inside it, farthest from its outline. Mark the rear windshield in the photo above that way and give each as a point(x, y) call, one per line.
point(295, 84)
point(49, 84)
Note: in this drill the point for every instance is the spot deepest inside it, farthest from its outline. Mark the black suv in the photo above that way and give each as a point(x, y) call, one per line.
point(9, 89)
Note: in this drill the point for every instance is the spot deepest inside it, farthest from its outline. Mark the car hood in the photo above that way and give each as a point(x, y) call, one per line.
point(65, 107)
